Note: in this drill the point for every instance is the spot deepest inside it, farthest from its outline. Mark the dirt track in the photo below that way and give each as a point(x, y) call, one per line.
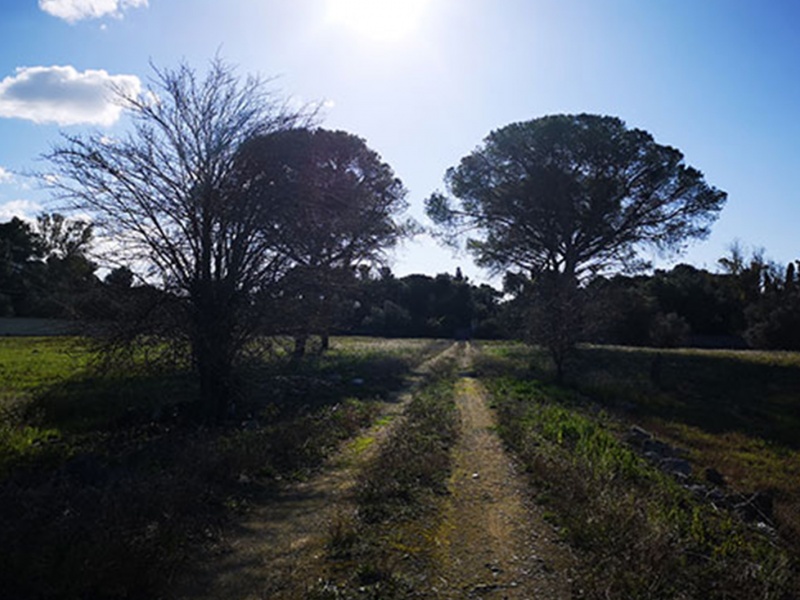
point(491, 542)
point(277, 550)
point(494, 544)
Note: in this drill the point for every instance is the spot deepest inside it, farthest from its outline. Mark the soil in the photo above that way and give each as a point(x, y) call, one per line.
point(492, 542)
point(277, 550)
point(495, 542)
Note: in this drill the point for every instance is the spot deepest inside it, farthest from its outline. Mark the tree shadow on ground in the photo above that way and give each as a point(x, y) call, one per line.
point(132, 480)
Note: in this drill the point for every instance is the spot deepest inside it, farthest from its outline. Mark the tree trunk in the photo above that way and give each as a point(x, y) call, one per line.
point(300, 343)
point(558, 360)
point(212, 343)
point(214, 372)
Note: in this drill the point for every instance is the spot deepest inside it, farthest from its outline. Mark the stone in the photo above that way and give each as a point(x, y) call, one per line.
point(658, 447)
point(637, 435)
point(718, 498)
point(653, 457)
point(676, 466)
point(699, 491)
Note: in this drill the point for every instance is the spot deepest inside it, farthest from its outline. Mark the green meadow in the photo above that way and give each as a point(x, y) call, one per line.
point(735, 413)
point(109, 481)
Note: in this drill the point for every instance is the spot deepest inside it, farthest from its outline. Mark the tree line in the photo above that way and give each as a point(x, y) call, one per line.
point(755, 305)
point(749, 302)
point(44, 268)
point(366, 300)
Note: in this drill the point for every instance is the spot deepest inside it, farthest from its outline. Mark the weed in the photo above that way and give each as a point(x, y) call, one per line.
point(735, 411)
point(342, 535)
point(395, 490)
point(414, 461)
point(360, 444)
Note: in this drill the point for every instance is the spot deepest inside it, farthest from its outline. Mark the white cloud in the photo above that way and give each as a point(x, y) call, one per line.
point(5, 176)
point(75, 10)
point(63, 95)
point(24, 209)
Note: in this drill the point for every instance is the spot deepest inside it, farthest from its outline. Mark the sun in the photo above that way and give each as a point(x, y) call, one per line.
point(381, 20)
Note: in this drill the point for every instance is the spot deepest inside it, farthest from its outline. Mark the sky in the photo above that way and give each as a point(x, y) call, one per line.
point(424, 81)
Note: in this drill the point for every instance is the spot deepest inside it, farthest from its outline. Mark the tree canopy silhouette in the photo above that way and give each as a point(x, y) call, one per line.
point(565, 197)
point(334, 205)
point(573, 194)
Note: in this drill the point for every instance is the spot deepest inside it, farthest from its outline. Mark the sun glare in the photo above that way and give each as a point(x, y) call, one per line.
point(383, 20)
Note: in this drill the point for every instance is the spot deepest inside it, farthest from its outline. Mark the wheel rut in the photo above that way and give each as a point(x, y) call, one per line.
point(277, 550)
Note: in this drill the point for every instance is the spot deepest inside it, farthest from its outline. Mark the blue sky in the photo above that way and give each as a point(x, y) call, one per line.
point(424, 81)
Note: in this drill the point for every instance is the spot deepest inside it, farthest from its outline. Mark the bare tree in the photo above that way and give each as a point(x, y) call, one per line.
point(165, 194)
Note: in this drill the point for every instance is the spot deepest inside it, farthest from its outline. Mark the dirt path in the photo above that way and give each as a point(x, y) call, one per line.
point(494, 543)
point(277, 550)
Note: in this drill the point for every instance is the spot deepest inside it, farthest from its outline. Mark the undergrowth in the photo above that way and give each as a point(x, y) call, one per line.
point(414, 462)
point(736, 412)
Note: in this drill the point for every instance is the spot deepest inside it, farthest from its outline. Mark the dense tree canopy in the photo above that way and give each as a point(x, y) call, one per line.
point(45, 270)
point(573, 194)
point(333, 205)
point(566, 197)
point(423, 306)
point(21, 250)
point(249, 221)
point(332, 200)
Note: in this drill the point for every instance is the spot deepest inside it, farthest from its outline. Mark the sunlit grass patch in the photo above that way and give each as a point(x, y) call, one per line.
point(411, 351)
point(30, 363)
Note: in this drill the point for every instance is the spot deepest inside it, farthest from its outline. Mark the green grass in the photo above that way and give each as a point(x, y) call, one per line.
point(415, 461)
point(735, 411)
point(30, 364)
point(108, 482)
point(754, 393)
point(28, 368)
point(640, 533)
point(396, 495)
point(738, 412)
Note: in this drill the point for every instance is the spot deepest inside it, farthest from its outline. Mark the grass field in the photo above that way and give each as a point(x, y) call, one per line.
point(735, 412)
point(28, 364)
point(107, 482)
